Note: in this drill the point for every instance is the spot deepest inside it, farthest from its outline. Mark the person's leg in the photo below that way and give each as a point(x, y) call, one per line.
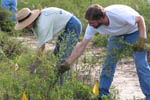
point(72, 35)
point(13, 9)
point(142, 68)
point(56, 52)
point(10, 5)
point(143, 71)
point(5, 4)
point(57, 47)
point(67, 40)
point(70, 38)
point(114, 49)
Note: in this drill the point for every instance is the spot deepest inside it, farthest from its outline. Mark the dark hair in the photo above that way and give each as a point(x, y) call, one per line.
point(94, 12)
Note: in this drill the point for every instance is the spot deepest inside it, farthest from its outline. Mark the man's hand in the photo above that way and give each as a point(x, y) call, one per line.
point(63, 68)
point(32, 68)
point(140, 45)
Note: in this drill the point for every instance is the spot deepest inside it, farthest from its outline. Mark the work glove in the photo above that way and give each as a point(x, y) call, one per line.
point(32, 68)
point(62, 68)
point(140, 45)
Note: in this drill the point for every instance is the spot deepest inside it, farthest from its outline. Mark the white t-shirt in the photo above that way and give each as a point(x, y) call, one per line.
point(51, 21)
point(121, 21)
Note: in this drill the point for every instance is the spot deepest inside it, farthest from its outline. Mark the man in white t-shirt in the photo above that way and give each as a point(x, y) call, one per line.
point(46, 24)
point(120, 22)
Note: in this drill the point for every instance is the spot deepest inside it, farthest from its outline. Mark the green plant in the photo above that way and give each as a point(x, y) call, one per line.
point(4, 14)
point(6, 23)
point(74, 90)
point(38, 86)
point(7, 26)
point(100, 40)
point(10, 46)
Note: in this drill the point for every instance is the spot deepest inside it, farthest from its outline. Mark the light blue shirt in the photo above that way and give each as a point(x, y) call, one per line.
point(51, 21)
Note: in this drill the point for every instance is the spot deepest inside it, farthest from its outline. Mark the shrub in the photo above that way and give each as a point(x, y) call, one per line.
point(6, 23)
point(10, 46)
point(4, 14)
point(100, 40)
point(38, 86)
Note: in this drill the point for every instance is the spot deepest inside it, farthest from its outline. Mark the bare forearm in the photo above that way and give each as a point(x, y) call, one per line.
point(141, 27)
point(40, 50)
point(78, 51)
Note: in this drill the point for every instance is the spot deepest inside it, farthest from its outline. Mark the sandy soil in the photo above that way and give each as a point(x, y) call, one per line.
point(125, 79)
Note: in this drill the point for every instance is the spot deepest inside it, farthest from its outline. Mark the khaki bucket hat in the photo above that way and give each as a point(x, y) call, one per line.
point(25, 17)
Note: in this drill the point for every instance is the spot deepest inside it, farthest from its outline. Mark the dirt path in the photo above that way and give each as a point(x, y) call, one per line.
point(125, 79)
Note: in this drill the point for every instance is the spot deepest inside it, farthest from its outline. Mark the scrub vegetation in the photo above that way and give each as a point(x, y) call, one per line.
point(15, 58)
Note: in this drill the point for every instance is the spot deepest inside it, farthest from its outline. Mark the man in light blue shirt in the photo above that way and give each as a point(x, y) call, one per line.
point(46, 24)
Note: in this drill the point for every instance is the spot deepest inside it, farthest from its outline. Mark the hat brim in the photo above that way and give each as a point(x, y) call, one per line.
point(28, 21)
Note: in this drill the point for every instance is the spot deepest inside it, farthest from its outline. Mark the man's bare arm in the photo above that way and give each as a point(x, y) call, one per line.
point(78, 51)
point(40, 50)
point(141, 26)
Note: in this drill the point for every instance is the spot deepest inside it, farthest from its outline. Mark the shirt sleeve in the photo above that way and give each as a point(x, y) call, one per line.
point(130, 16)
point(89, 33)
point(130, 19)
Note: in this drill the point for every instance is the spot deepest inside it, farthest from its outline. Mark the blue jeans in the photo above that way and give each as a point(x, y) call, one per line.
point(108, 70)
point(68, 39)
point(10, 5)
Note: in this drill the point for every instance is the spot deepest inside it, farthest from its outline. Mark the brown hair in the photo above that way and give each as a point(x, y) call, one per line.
point(94, 12)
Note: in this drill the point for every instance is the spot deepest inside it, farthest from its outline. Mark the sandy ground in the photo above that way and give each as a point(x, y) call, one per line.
point(125, 79)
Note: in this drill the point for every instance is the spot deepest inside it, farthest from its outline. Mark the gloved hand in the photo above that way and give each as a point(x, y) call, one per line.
point(63, 68)
point(140, 45)
point(32, 68)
